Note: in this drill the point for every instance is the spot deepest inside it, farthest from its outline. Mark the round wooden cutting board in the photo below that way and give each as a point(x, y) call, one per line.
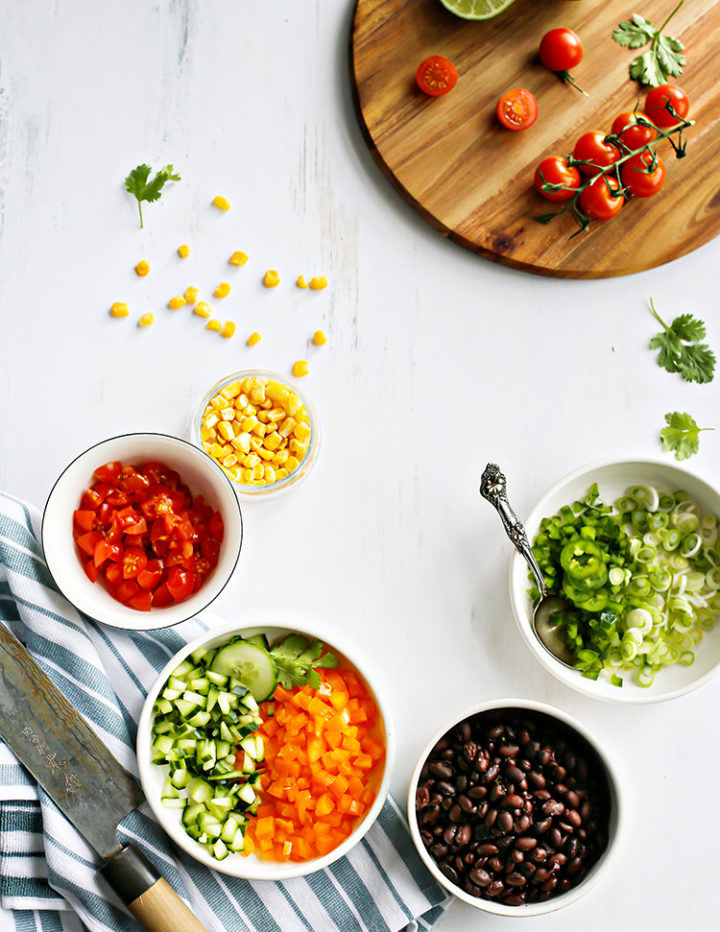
point(473, 180)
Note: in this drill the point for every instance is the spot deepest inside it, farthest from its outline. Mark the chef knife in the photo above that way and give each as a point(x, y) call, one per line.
point(85, 781)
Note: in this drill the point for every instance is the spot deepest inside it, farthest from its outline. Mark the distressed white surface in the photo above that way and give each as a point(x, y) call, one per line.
point(437, 361)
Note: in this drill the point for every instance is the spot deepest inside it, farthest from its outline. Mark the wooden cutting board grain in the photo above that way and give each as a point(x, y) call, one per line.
point(472, 180)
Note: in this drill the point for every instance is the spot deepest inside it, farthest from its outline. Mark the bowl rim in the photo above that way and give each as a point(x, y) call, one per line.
point(615, 822)
point(278, 870)
point(194, 608)
point(304, 467)
point(573, 678)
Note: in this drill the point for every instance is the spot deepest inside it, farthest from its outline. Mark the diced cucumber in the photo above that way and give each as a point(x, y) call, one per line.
point(219, 850)
point(180, 779)
point(251, 665)
point(199, 790)
point(217, 679)
point(246, 794)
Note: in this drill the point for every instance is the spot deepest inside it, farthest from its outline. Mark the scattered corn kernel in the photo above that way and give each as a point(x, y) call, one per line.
point(300, 368)
point(254, 339)
point(222, 290)
point(191, 294)
point(203, 309)
point(142, 268)
point(222, 203)
point(238, 258)
point(228, 329)
point(319, 338)
point(146, 320)
point(119, 309)
point(318, 282)
point(301, 283)
point(272, 279)
point(212, 324)
point(246, 428)
point(176, 302)
point(183, 251)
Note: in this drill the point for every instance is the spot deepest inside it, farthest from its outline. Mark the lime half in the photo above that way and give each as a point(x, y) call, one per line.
point(477, 9)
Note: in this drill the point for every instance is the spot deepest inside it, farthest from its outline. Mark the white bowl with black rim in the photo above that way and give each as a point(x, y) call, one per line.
point(152, 776)
point(197, 471)
point(613, 478)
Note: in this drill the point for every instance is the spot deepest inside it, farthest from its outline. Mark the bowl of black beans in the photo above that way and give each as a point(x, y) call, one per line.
point(515, 808)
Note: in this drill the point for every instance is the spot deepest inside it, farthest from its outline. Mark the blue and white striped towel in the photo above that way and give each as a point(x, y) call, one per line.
point(48, 878)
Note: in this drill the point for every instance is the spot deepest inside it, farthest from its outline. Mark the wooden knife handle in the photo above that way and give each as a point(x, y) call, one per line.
point(147, 895)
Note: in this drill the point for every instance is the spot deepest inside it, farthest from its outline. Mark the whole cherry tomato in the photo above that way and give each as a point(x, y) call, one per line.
point(436, 76)
point(657, 100)
point(643, 175)
point(591, 147)
point(633, 134)
point(601, 200)
point(561, 49)
point(555, 170)
point(517, 109)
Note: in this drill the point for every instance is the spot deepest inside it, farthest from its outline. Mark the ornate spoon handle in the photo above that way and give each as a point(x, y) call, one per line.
point(493, 487)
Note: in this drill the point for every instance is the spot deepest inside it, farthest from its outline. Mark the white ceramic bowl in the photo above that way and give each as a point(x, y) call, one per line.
point(598, 870)
point(202, 477)
point(613, 478)
point(151, 775)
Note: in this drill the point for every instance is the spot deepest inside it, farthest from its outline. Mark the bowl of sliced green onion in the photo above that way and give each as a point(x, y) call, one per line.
point(633, 547)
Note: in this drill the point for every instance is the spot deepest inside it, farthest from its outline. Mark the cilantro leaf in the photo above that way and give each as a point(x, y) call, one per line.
point(297, 660)
point(142, 188)
point(681, 436)
point(662, 60)
point(680, 349)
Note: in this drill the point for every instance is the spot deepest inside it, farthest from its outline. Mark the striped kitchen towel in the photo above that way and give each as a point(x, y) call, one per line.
point(48, 878)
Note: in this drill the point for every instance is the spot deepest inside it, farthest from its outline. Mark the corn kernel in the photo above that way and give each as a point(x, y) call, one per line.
point(249, 423)
point(238, 258)
point(218, 402)
point(297, 448)
point(258, 472)
point(276, 414)
point(227, 414)
point(276, 391)
point(210, 420)
point(280, 457)
point(254, 339)
point(319, 338)
point(292, 405)
point(242, 442)
point(119, 309)
point(300, 368)
point(222, 290)
point(183, 251)
point(229, 460)
point(264, 454)
point(269, 474)
point(146, 320)
point(242, 400)
point(142, 268)
point(286, 427)
point(318, 282)
point(213, 324)
point(291, 463)
point(225, 429)
point(271, 279)
point(251, 460)
point(231, 391)
point(203, 309)
point(177, 302)
point(273, 440)
point(255, 443)
point(262, 416)
point(228, 329)
point(191, 295)
point(302, 432)
point(259, 430)
point(257, 394)
point(222, 203)
point(250, 409)
point(301, 283)
point(281, 473)
point(207, 447)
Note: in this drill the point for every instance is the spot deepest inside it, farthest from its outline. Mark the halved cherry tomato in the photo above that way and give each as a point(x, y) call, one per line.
point(127, 589)
point(643, 175)
point(134, 561)
point(84, 519)
point(91, 571)
point(107, 551)
point(657, 101)
point(113, 573)
point(151, 576)
point(555, 170)
point(109, 472)
point(161, 596)
point(601, 200)
point(180, 583)
point(436, 76)
point(217, 526)
point(142, 601)
point(591, 147)
point(517, 109)
point(561, 49)
point(88, 542)
point(633, 134)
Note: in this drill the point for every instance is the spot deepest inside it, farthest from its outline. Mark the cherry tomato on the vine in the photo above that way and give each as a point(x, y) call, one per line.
point(643, 175)
point(561, 49)
point(555, 170)
point(657, 100)
point(601, 200)
point(517, 109)
point(436, 76)
point(591, 147)
point(633, 134)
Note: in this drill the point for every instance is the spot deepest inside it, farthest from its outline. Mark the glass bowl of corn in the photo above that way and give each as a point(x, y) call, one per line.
point(260, 429)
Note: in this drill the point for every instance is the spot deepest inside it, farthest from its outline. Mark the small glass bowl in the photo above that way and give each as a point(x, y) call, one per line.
point(305, 465)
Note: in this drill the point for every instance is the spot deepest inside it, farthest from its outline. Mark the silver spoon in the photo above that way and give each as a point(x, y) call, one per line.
point(493, 487)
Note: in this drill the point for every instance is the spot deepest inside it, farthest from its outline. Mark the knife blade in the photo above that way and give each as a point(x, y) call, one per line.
point(52, 740)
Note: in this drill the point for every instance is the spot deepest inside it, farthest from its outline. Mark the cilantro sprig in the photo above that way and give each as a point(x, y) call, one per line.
point(681, 436)
point(298, 659)
point(144, 188)
point(680, 349)
point(664, 58)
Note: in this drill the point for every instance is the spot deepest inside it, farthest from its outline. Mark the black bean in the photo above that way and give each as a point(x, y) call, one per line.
point(495, 888)
point(504, 821)
point(495, 865)
point(544, 755)
point(490, 774)
point(439, 851)
point(463, 836)
point(449, 834)
point(487, 849)
point(515, 899)
point(574, 866)
point(536, 780)
point(517, 856)
point(461, 783)
point(441, 768)
point(480, 877)
point(557, 773)
point(553, 807)
point(542, 825)
point(514, 773)
point(509, 750)
point(496, 731)
point(550, 883)
point(539, 854)
point(422, 797)
point(513, 801)
point(450, 872)
point(542, 794)
point(541, 875)
point(526, 843)
point(455, 813)
point(515, 880)
point(467, 804)
point(573, 800)
point(463, 731)
point(521, 825)
point(491, 817)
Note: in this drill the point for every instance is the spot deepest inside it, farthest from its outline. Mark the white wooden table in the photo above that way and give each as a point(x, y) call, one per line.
point(437, 361)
